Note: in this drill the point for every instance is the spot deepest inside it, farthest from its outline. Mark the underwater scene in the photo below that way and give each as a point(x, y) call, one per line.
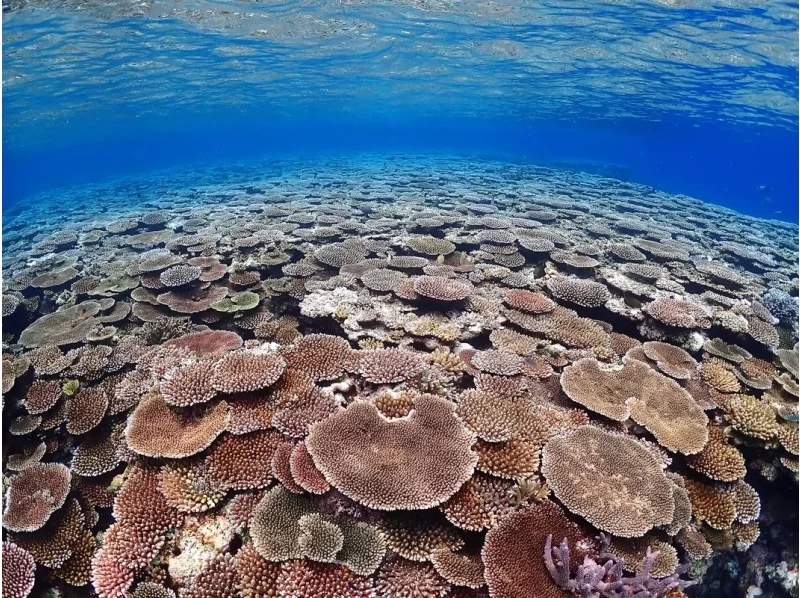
point(400, 299)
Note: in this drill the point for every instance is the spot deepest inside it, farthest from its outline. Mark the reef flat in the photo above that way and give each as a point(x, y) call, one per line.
point(397, 377)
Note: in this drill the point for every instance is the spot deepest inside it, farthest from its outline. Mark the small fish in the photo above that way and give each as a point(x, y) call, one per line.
point(778, 212)
point(764, 188)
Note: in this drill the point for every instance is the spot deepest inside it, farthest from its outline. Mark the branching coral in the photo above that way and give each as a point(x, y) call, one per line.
point(604, 577)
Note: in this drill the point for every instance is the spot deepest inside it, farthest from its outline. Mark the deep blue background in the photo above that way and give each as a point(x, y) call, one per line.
point(713, 163)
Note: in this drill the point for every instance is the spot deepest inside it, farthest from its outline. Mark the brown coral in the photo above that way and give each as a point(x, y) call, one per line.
point(407, 579)
point(33, 495)
point(240, 462)
point(85, 410)
point(188, 385)
point(19, 571)
point(711, 504)
point(388, 366)
point(440, 288)
point(671, 360)
point(530, 302)
point(319, 356)
point(679, 313)
point(42, 395)
point(188, 487)
point(635, 390)
point(512, 459)
point(752, 417)
point(305, 473)
point(386, 464)
point(155, 430)
point(586, 293)
point(512, 553)
point(718, 460)
point(611, 480)
point(247, 371)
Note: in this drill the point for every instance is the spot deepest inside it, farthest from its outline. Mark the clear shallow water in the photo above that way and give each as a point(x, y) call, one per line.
point(693, 97)
point(366, 177)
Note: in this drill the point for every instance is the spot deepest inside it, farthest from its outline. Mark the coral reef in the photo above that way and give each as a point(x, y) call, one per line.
point(398, 383)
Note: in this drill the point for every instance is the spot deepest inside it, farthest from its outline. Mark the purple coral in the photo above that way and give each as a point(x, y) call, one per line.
point(603, 577)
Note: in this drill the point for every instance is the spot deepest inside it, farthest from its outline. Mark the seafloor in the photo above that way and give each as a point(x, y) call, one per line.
point(397, 377)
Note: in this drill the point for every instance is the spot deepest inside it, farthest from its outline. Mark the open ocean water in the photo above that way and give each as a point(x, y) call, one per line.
point(409, 299)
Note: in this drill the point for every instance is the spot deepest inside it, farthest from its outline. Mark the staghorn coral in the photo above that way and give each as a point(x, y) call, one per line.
point(611, 480)
point(604, 577)
point(355, 462)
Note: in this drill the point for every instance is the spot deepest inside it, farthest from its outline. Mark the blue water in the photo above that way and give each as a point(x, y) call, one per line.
point(689, 97)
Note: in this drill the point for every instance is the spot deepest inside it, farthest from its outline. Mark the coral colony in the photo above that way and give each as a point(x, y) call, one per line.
point(422, 379)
